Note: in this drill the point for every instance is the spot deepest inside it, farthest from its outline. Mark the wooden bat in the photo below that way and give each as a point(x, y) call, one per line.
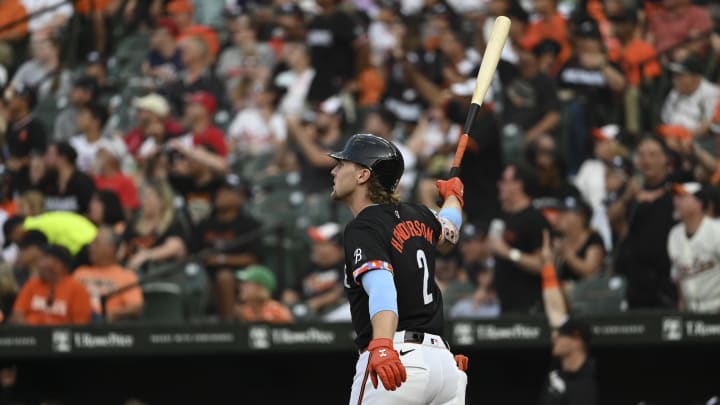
point(489, 63)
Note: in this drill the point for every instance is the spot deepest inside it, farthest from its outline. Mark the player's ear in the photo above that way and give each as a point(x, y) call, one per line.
point(363, 175)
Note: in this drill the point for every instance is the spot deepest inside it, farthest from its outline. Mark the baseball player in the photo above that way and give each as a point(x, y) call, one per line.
point(396, 306)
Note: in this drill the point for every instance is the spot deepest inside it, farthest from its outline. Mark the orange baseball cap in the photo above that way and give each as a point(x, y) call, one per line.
point(674, 131)
point(179, 6)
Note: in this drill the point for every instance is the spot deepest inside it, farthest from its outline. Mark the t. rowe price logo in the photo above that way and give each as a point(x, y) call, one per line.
point(672, 329)
point(517, 331)
point(87, 340)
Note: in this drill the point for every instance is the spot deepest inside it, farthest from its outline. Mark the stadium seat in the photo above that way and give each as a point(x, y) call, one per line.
point(163, 302)
point(597, 295)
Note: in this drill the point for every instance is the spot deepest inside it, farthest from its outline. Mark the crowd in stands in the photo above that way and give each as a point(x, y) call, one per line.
point(167, 160)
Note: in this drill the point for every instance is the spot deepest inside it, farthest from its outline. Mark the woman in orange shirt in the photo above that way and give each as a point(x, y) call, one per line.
point(256, 287)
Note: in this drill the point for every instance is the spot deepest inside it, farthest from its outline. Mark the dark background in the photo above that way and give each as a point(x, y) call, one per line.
point(658, 374)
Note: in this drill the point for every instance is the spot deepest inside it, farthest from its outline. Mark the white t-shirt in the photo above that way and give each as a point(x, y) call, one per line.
point(696, 264)
point(298, 85)
point(253, 134)
point(590, 181)
point(691, 111)
point(434, 138)
point(39, 19)
point(86, 152)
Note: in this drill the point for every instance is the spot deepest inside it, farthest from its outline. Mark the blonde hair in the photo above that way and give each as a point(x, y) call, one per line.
point(378, 194)
point(35, 202)
point(164, 191)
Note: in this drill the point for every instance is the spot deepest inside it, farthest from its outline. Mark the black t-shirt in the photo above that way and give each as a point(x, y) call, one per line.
point(198, 197)
point(330, 40)
point(517, 289)
point(570, 387)
point(26, 137)
point(319, 280)
point(136, 242)
point(401, 238)
point(527, 101)
point(594, 239)
point(643, 257)
point(590, 86)
point(76, 196)
point(213, 233)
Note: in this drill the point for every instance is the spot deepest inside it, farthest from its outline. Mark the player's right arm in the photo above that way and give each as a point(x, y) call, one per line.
point(450, 215)
point(553, 299)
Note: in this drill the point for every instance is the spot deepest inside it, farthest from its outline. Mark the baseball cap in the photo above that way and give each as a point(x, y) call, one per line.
point(60, 253)
point(258, 274)
point(8, 227)
point(588, 29)
point(154, 103)
point(86, 82)
point(169, 25)
point(576, 204)
point(328, 232)
point(473, 230)
point(606, 133)
point(114, 146)
point(203, 98)
point(543, 47)
point(691, 65)
point(576, 328)
point(624, 15)
point(33, 238)
point(179, 6)
point(695, 189)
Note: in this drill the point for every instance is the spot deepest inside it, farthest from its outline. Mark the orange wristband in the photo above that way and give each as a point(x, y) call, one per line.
point(549, 277)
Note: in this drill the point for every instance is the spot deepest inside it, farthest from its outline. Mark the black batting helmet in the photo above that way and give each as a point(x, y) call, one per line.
point(377, 154)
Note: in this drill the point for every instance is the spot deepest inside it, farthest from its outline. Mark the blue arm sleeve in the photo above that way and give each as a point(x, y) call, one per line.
point(380, 287)
point(453, 215)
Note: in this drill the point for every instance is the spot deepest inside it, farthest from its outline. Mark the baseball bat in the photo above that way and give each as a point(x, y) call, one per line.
point(489, 63)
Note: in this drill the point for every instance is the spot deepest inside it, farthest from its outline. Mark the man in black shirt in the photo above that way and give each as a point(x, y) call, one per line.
point(334, 42)
point(395, 302)
point(65, 187)
point(236, 237)
point(25, 140)
point(515, 239)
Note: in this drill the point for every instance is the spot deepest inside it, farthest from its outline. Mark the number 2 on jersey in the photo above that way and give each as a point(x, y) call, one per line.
point(422, 263)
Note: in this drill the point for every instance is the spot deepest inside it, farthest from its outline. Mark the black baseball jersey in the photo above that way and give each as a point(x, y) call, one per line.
point(400, 239)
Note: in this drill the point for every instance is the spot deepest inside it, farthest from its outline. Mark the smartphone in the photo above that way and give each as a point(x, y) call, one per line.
point(497, 228)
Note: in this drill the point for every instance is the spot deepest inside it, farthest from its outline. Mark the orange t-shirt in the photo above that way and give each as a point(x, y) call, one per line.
point(70, 302)
point(637, 55)
point(555, 29)
point(272, 311)
point(11, 11)
point(102, 280)
point(85, 6)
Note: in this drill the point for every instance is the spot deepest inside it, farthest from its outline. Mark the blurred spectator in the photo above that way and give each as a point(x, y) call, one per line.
point(44, 72)
point(195, 181)
point(335, 43)
point(693, 251)
point(290, 19)
point(55, 226)
point(321, 287)
point(96, 67)
point(15, 13)
point(8, 291)
point(12, 233)
point(30, 248)
point(551, 25)
point(53, 297)
point(156, 234)
point(31, 203)
point(530, 104)
point(46, 16)
point(199, 109)
point(451, 279)
point(197, 76)
point(314, 138)
point(104, 276)
point(164, 61)
point(65, 187)
point(105, 209)
point(691, 103)
point(580, 248)
point(25, 139)
point(515, 240)
point(642, 257)
point(618, 173)
point(245, 58)
point(590, 180)
point(91, 119)
point(296, 80)
point(259, 130)
point(381, 122)
point(594, 83)
point(234, 238)
point(676, 22)
point(479, 264)
point(109, 176)
point(636, 57)
point(552, 182)
point(257, 283)
point(153, 126)
point(182, 13)
point(84, 90)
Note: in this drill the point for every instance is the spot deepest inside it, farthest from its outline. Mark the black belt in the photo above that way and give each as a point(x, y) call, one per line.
point(415, 337)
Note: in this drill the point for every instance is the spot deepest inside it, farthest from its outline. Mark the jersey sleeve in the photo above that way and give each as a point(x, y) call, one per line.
point(365, 250)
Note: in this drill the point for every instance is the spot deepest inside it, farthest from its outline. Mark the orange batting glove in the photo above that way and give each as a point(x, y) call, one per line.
point(462, 362)
point(384, 362)
point(453, 186)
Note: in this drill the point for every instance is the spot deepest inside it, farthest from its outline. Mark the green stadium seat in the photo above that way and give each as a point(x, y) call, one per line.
point(599, 295)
